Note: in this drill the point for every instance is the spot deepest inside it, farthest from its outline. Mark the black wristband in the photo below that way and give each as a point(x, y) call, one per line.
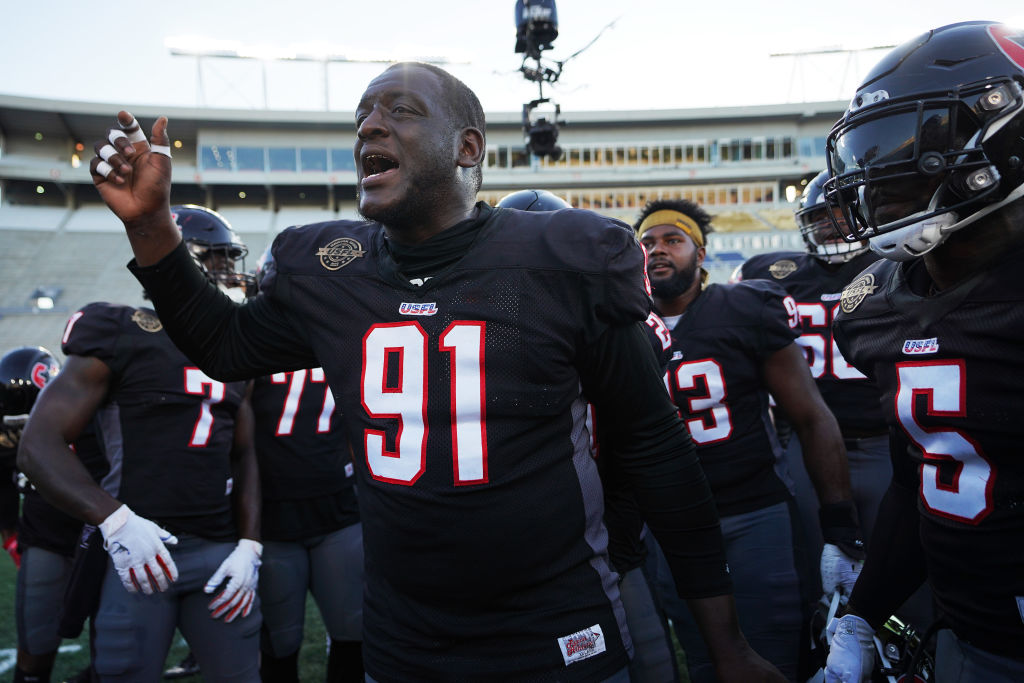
point(840, 527)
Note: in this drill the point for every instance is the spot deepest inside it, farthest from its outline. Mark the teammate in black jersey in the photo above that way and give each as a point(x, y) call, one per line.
point(926, 165)
point(815, 278)
point(654, 660)
point(456, 339)
point(182, 474)
point(41, 539)
point(732, 345)
point(313, 541)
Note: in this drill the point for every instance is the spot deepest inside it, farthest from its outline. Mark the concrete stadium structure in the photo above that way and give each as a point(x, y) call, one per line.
point(267, 170)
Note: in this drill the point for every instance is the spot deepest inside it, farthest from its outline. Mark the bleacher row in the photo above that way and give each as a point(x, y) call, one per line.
point(83, 253)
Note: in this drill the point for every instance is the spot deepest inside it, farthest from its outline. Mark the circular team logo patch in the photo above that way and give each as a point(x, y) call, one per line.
point(339, 253)
point(856, 292)
point(782, 269)
point(147, 321)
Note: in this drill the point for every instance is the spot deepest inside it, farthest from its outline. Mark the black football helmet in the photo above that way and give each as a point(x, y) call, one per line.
point(932, 141)
point(820, 237)
point(24, 371)
point(217, 248)
point(533, 200)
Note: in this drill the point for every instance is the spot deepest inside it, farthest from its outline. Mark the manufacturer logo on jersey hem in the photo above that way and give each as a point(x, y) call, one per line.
point(408, 308)
point(913, 347)
point(782, 269)
point(147, 321)
point(857, 291)
point(339, 253)
point(582, 645)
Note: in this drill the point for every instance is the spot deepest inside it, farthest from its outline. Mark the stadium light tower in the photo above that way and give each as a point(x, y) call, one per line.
point(322, 53)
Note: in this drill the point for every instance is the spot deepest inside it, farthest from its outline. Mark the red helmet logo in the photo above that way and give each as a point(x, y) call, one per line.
point(1010, 42)
point(41, 373)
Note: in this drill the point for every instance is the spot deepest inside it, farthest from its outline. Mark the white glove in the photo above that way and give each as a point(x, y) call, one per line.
point(838, 570)
point(138, 548)
point(243, 566)
point(851, 653)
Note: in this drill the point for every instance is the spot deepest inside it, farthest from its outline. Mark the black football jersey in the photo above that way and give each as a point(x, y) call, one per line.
point(951, 371)
point(816, 288)
point(303, 455)
point(465, 412)
point(41, 525)
point(714, 374)
point(165, 427)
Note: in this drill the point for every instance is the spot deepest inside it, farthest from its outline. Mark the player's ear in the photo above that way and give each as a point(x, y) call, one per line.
point(701, 253)
point(471, 147)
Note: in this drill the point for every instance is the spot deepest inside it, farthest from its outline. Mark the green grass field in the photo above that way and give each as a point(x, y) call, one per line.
point(74, 655)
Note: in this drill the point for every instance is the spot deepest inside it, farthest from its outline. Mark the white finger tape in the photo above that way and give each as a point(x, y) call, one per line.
point(134, 131)
point(104, 169)
point(107, 151)
point(161, 149)
point(116, 135)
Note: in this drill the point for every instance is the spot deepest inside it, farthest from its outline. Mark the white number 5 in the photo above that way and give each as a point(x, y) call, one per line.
point(967, 497)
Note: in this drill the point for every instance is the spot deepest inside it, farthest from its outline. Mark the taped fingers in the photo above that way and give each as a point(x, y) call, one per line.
point(116, 135)
point(106, 151)
point(132, 130)
point(161, 149)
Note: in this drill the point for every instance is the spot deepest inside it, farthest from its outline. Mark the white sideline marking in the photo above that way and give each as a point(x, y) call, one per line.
point(9, 656)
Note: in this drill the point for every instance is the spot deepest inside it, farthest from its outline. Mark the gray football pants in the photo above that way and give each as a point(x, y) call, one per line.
point(134, 631)
point(653, 659)
point(759, 549)
point(41, 582)
point(328, 566)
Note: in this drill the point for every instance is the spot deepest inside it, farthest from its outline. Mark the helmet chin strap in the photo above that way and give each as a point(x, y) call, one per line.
point(918, 238)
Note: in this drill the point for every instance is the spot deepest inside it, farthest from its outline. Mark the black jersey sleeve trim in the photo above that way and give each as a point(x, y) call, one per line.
point(642, 430)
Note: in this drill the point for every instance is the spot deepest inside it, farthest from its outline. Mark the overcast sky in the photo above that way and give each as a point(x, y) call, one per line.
point(658, 54)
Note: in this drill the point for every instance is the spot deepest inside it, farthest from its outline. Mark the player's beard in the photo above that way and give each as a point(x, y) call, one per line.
point(426, 189)
point(678, 283)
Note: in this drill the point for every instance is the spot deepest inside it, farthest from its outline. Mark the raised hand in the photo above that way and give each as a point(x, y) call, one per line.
point(133, 175)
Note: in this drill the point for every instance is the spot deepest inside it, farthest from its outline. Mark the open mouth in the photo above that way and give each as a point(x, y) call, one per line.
point(377, 164)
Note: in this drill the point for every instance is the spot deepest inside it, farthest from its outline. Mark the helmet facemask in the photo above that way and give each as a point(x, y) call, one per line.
point(219, 265)
point(821, 238)
point(907, 172)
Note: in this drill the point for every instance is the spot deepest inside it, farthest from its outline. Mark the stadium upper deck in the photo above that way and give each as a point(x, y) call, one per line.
point(266, 170)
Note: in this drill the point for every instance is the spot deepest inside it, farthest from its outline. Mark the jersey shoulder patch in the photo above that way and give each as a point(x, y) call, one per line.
point(775, 265)
point(865, 295)
point(324, 248)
